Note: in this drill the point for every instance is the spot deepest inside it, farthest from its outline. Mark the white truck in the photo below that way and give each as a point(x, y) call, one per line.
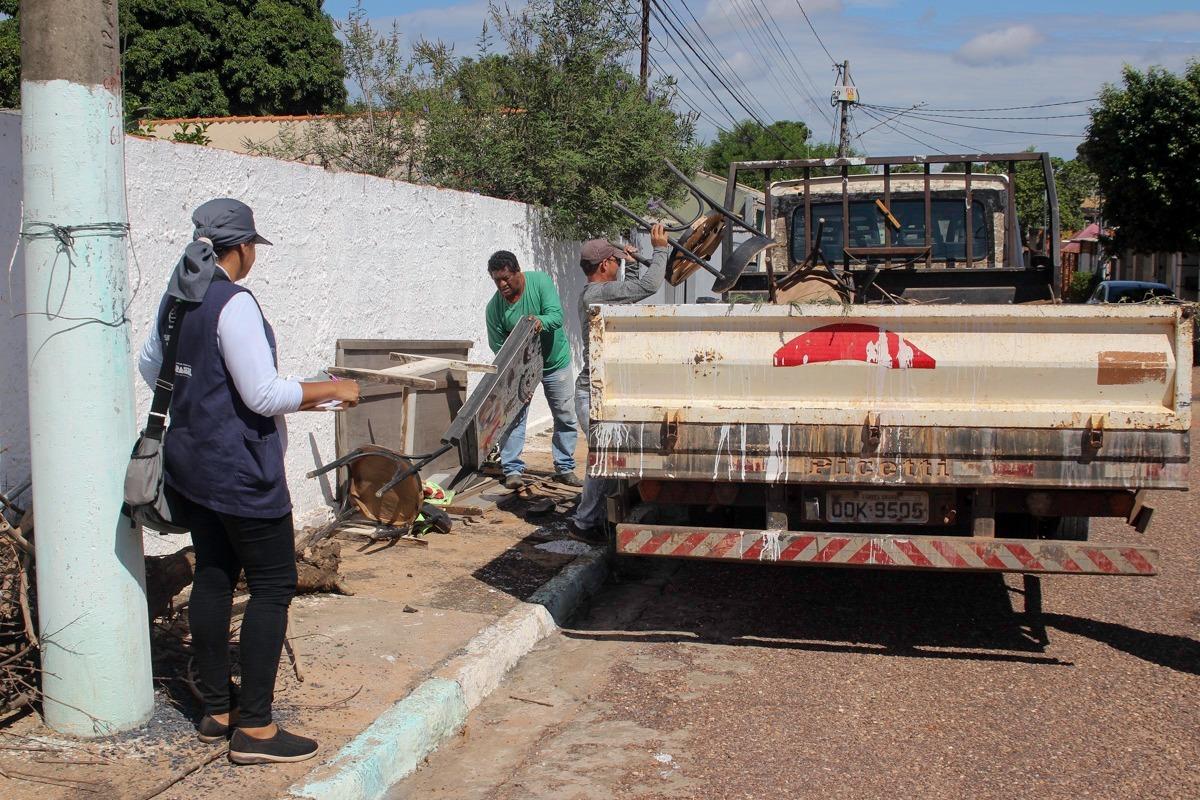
point(869, 428)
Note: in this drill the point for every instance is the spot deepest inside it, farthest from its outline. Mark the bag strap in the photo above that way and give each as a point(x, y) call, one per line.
point(164, 385)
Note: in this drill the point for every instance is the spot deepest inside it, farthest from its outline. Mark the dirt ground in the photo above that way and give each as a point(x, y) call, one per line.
point(412, 608)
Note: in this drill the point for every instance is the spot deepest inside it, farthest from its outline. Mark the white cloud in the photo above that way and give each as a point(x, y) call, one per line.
point(1004, 46)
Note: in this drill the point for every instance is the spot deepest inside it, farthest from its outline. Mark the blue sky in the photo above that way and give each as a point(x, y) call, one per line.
point(947, 55)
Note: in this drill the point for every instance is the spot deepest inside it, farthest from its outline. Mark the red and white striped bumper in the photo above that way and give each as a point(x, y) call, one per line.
point(896, 552)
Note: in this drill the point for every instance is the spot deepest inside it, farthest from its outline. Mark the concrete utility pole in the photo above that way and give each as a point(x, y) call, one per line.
point(645, 43)
point(90, 574)
point(846, 95)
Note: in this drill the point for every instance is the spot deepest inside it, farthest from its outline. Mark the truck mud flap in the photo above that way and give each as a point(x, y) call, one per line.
point(962, 553)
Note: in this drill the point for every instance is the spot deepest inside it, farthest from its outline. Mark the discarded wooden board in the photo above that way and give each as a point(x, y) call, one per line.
point(396, 376)
point(443, 363)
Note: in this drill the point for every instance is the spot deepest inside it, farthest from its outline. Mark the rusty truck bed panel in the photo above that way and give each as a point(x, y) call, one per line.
point(1012, 367)
point(884, 455)
point(887, 552)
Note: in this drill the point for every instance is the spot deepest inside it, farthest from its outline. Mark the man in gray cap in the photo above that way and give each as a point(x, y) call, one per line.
point(600, 261)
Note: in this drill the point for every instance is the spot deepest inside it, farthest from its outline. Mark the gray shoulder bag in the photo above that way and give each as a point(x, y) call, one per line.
point(145, 496)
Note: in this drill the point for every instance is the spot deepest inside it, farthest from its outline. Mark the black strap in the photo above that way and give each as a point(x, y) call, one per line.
point(164, 385)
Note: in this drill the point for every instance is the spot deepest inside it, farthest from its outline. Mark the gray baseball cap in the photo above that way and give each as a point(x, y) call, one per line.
point(594, 251)
point(220, 223)
point(226, 222)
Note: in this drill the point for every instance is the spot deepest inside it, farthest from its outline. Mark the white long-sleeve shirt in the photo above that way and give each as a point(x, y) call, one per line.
point(247, 355)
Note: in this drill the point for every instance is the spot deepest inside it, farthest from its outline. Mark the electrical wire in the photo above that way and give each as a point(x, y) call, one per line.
point(858, 138)
point(924, 132)
point(814, 32)
point(697, 80)
point(1005, 108)
point(732, 73)
point(691, 102)
point(902, 133)
point(889, 119)
point(690, 46)
point(759, 10)
point(754, 49)
point(772, 74)
point(762, 46)
point(998, 130)
point(984, 119)
point(688, 101)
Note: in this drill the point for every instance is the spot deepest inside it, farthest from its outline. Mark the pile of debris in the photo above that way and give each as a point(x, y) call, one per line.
point(19, 662)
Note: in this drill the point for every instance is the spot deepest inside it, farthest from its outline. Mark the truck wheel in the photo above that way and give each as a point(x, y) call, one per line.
point(1073, 529)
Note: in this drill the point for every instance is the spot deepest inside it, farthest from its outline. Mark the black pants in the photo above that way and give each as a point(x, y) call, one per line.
point(225, 546)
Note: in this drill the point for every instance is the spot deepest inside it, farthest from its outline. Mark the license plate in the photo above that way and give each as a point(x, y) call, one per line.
point(905, 508)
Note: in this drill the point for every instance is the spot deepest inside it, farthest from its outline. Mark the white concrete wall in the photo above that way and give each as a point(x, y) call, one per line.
point(354, 257)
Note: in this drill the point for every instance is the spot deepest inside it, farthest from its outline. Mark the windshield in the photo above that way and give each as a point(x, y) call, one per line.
point(948, 219)
point(1136, 294)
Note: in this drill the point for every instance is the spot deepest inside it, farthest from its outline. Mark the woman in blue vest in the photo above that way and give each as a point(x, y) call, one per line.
point(223, 468)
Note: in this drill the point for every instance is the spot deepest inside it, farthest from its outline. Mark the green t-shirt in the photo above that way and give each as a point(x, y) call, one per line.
point(540, 299)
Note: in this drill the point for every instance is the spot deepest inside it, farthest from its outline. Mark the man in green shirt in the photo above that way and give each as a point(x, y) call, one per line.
point(532, 294)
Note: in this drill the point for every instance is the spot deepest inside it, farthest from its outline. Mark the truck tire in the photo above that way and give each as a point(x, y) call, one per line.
point(1073, 529)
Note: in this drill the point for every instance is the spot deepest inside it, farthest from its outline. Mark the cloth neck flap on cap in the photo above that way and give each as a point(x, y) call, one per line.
point(223, 222)
point(194, 272)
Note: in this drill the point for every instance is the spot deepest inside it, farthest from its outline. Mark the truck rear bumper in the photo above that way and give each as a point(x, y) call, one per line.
point(961, 553)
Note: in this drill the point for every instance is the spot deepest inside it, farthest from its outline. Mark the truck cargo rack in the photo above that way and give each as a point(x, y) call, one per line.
point(1048, 261)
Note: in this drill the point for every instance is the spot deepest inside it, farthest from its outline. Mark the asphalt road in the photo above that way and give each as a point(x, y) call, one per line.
point(694, 680)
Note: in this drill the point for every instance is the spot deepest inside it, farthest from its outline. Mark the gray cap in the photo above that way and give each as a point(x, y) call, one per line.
point(596, 250)
point(226, 222)
point(223, 222)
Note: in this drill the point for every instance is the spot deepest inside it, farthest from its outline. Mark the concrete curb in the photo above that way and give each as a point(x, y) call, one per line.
point(404, 735)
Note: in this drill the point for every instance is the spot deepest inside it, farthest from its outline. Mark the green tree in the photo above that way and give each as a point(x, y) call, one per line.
point(1142, 143)
point(185, 58)
point(10, 55)
point(189, 58)
point(749, 141)
point(377, 134)
point(556, 119)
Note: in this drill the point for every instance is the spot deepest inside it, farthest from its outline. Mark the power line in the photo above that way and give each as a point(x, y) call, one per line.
point(762, 46)
point(1006, 108)
point(984, 119)
point(889, 119)
point(759, 10)
point(858, 138)
point(716, 74)
point(695, 77)
point(688, 101)
point(912, 127)
point(732, 72)
point(754, 50)
point(998, 130)
point(688, 40)
point(811, 27)
point(870, 114)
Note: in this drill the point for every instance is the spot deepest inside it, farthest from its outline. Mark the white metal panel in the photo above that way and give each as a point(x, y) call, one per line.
point(985, 366)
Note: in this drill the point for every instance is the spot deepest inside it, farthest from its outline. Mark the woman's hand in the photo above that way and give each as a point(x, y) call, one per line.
point(347, 392)
point(318, 393)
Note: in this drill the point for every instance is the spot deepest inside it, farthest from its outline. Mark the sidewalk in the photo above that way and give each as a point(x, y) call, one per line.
point(413, 610)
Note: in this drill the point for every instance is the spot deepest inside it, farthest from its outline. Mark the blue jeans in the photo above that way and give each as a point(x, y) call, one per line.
point(557, 386)
point(591, 511)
